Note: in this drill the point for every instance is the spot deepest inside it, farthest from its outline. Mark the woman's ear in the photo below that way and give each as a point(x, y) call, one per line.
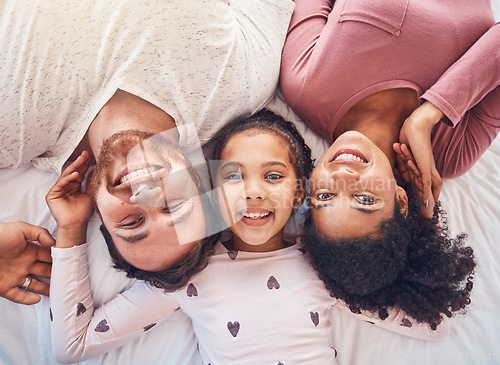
point(402, 200)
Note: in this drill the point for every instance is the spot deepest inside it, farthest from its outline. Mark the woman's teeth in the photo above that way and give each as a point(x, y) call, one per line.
point(140, 172)
point(349, 157)
point(256, 215)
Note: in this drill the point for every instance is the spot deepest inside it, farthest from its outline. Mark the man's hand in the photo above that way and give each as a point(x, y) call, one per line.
point(20, 257)
point(71, 207)
point(416, 134)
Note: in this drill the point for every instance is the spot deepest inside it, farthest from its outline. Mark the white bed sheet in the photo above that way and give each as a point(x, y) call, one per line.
point(473, 205)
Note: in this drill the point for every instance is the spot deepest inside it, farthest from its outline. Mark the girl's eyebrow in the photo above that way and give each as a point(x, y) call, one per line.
point(275, 163)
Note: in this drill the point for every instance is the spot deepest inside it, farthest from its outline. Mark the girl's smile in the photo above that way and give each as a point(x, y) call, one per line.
point(258, 189)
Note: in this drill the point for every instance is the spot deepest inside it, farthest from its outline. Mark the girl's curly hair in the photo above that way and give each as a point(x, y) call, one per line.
point(299, 152)
point(414, 266)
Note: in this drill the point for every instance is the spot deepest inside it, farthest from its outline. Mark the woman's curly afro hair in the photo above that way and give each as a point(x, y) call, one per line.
point(412, 265)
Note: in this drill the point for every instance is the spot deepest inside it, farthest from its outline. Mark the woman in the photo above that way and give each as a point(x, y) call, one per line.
point(357, 72)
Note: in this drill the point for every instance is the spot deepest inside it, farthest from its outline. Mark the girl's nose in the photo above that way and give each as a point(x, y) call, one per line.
point(254, 190)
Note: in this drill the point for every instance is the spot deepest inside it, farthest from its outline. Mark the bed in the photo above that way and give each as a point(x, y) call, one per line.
point(473, 205)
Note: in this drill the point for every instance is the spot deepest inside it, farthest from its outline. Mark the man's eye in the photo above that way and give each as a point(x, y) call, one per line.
point(365, 199)
point(132, 223)
point(324, 196)
point(172, 206)
point(274, 176)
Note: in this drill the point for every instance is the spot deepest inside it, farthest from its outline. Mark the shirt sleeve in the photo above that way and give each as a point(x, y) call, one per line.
point(79, 331)
point(469, 79)
point(399, 322)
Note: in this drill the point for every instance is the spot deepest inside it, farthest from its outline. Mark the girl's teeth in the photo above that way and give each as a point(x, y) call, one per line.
point(144, 171)
point(255, 215)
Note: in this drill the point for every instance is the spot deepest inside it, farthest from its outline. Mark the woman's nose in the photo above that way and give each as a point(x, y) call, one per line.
point(345, 172)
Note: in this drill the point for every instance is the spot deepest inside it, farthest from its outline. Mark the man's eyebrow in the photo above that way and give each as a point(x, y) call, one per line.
point(135, 237)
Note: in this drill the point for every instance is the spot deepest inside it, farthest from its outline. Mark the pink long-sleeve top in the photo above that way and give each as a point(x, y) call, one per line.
point(448, 51)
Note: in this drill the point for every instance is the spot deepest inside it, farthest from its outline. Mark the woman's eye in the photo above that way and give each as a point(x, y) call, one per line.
point(132, 223)
point(324, 196)
point(365, 199)
point(274, 177)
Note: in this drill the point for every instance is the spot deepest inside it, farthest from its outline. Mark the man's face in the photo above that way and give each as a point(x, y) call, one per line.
point(148, 199)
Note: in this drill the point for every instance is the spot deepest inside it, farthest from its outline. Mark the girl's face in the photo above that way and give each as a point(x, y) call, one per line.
point(258, 189)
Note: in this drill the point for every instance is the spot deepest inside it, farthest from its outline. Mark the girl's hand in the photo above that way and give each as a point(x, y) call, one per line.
point(408, 172)
point(71, 207)
point(416, 134)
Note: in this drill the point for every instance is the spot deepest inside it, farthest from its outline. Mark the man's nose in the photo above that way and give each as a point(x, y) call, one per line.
point(149, 197)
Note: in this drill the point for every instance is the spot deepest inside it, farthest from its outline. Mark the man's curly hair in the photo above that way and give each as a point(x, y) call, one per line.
point(412, 265)
point(177, 276)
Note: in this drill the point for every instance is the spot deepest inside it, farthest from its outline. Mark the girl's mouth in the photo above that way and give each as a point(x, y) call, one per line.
point(255, 219)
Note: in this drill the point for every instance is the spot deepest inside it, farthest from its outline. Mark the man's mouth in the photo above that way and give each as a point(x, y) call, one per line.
point(138, 174)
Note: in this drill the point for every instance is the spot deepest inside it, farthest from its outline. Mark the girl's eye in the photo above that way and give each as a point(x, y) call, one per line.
point(234, 176)
point(324, 196)
point(132, 224)
point(365, 199)
point(274, 176)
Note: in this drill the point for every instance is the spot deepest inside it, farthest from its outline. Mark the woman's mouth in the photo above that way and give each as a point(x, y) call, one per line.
point(349, 155)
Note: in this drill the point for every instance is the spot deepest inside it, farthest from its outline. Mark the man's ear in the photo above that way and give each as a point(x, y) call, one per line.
point(402, 200)
point(90, 183)
point(300, 193)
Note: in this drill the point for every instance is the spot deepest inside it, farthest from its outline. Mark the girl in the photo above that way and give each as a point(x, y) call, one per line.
point(258, 301)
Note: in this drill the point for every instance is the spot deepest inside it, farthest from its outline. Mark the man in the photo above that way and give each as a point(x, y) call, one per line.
point(68, 68)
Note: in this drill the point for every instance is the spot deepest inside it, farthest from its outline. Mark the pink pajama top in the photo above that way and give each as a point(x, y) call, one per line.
point(246, 308)
point(448, 51)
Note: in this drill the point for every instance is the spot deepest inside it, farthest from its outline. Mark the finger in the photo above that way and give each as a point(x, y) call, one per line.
point(21, 297)
point(35, 233)
point(41, 269)
point(437, 184)
point(401, 168)
point(39, 287)
point(408, 155)
point(84, 167)
point(414, 168)
point(43, 254)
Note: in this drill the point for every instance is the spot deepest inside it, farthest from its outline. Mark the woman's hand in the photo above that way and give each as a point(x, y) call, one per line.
point(416, 134)
point(71, 207)
point(408, 172)
point(21, 257)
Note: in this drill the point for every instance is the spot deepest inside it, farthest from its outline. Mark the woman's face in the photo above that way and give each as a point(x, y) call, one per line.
point(149, 201)
point(257, 189)
point(353, 189)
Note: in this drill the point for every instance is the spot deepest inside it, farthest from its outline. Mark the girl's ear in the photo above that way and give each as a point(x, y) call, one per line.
point(402, 200)
point(300, 193)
